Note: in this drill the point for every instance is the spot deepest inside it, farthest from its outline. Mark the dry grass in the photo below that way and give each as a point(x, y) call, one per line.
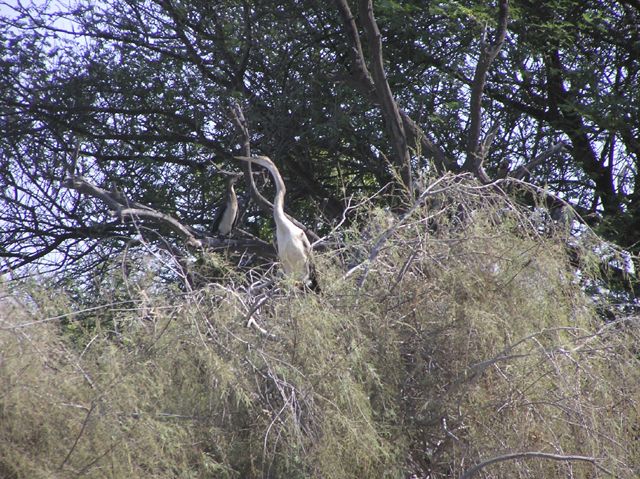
point(460, 334)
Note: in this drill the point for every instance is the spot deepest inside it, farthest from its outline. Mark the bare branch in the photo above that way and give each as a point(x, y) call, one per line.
point(237, 116)
point(525, 455)
point(363, 82)
point(251, 244)
point(265, 205)
point(78, 436)
point(123, 207)
point(384, 237)
point(241, 123)
point(112, 199)
point(173, 224)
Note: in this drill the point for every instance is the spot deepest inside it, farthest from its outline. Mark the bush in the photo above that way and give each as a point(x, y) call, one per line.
point(460, 334)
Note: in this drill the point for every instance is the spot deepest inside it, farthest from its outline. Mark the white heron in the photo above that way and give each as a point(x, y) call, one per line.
point(227, 217)
point(294, 249)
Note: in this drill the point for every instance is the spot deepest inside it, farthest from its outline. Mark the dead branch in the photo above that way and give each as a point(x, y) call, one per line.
point(78, 436)
point(124, 208)
point(237, 116)
point(265, 205)
point(384, 237)
point(525, 455)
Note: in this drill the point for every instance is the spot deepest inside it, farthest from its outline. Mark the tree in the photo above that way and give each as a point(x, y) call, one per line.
point(345, 99)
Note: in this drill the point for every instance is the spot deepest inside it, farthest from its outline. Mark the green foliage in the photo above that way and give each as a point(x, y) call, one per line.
point(460, 333)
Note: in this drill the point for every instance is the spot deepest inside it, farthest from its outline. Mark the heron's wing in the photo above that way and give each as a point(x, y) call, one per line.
point(218, 217)
point(305, 242)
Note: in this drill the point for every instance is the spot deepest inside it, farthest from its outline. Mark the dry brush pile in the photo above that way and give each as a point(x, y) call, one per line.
point(455, 340)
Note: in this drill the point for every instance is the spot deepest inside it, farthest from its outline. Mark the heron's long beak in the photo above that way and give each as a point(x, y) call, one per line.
point(243, 158)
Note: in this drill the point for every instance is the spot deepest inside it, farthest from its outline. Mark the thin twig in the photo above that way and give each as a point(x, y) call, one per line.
point(384, 237)
point(78, 436)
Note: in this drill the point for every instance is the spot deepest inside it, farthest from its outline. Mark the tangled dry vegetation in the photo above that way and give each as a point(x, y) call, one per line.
point(455, 341)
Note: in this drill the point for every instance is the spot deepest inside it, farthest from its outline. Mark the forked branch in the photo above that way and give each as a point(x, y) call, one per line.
point(237, 116)
point(125, 208)
point(240, 122)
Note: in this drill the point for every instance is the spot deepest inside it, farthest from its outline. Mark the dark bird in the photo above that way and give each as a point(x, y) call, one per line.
point(227, 215)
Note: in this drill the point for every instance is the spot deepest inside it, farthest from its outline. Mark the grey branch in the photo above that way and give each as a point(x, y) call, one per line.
point(539, 455)
point(363, 81)
point(265, 205)
point(390, 110)
point(237, 116)
point(122, 207)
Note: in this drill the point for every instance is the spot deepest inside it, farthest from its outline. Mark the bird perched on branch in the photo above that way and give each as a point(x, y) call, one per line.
point(294, 249)
point(227, 215)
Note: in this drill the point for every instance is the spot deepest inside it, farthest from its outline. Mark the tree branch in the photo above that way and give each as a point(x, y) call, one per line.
point(363, 82)
point(488, 53)
point(524, 455)
point(390, 110)
point(524, 171)
point(358, 64)
point(567, 118)
point(265, 205)
point(237, 116)
point(122, 208)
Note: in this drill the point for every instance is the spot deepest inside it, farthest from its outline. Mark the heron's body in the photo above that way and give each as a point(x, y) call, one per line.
point(226, 221)
point(294, 249)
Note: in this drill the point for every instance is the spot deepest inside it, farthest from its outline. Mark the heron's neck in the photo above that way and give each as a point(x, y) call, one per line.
point(231, 193)
point(278, 205)
point(278, 201)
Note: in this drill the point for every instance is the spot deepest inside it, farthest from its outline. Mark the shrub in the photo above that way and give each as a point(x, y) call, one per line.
point(460, 334)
